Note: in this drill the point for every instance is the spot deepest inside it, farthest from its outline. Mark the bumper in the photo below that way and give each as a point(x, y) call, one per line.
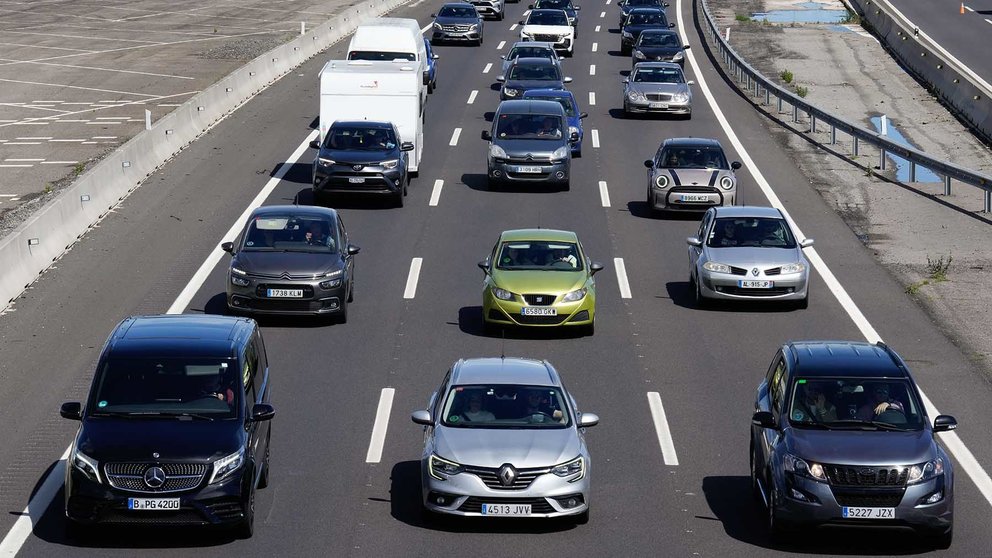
point(464, 494)
point(725, 286)
point(385, 182)
point(673, 199)
point(315, 300)
point(217, 504)
point(660, 107)
point(472, 36)
point(634, 60)
point(578, 313)
point(563, 44)
point(550, 173)
point(825, 509)
point(486, 10)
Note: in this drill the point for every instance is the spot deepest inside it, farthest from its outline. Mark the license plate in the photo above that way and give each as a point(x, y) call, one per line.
point(356, 180)
point(505, 509)
point(659, 105)
point(538, 311)
point(285, 293)
point(695, 197)
point(529, 170)
point(153, 504)
point(869, 513)
point(755, 284)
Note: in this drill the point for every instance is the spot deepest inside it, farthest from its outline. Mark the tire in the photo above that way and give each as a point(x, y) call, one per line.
point(342, 315)
point(701, 301)
point(626, 111)
point(624, 50)
point(755, 486)
point(804, 303)
point(491, 329)
point(319, 197)
point(481, 37)
point(941, 539)
point(492, 184)
point(351, 290)
point(246, 529)
point(589, 330)
point(577, 154)
point(263, 481)
point(501, 15)
point(398, 197)
point(566, 186)
point(76, 531)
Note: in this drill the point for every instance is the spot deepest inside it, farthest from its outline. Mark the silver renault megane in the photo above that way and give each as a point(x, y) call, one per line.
point(503, 437)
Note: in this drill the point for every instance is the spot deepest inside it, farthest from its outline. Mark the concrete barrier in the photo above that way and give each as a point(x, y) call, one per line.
point(44, 237)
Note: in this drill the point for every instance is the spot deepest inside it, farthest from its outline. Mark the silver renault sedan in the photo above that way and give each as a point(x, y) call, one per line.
point(503, 438)
point(748, 252)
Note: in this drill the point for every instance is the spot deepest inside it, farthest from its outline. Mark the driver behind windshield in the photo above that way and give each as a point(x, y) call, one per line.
point(880, 402)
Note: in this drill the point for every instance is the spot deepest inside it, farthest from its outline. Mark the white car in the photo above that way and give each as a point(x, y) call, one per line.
point(550, 26)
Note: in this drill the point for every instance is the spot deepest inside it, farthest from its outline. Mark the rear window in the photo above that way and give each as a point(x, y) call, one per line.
point(547, 18)
point(529, 72)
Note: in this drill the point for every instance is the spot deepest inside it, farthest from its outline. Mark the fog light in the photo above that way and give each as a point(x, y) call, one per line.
point(497, 173)
point(571, 503)
point(559, 175)
point(441, 501)
point(797, 495)
point(935, 497)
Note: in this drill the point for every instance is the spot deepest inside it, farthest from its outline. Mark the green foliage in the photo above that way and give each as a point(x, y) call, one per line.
point(786, 76)
point(742, 18)
point(802, 91)
point(937, 269)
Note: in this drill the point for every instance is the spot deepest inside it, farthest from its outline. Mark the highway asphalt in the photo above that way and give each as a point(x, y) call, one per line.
point(960, 34)
point(324, 497)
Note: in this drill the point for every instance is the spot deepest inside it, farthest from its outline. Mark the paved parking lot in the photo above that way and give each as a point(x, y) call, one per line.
point(77, 76)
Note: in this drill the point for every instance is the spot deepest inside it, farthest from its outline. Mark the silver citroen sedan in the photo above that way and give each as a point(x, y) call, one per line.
point(503, 438)
point(748, 252)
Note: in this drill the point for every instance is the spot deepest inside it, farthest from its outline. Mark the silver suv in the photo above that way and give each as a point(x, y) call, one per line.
point(503, 437)
point(840, 436)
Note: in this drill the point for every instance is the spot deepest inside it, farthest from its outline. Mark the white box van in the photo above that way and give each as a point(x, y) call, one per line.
point(378, 91)
point(391, 38)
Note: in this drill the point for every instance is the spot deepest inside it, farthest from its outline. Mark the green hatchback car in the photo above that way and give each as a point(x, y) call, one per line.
point(539, 278)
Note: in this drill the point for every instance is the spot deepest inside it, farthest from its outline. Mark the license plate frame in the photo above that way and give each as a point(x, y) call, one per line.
point(154, 504)
point(657, 105)
point(284, 293)
point(356, 180)
point(694, 198)
point(507, 510)
point(860, 512)
point(539, 311)
point(529, 170)
point(755, 284)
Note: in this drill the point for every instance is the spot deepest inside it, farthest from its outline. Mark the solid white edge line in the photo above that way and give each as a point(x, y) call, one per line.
point(436, 193)
point(595, 138)
point(380, 426)
point(412, 278)
point(622, 277)
point(454, 137)
point(604, 194)
point(951, 440)
point(661, 427)
point(36, 507)
point(487, 68)
point(471, 96)
point(592, 98)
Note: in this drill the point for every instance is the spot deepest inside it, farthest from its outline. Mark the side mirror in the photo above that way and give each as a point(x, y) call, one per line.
point(649, 164)
point(487, 135)
point(694, 241)
point(576, 8)
point(566, 80)
point(665, 4)
point(686, 47)
point(502, 57)
point(942, 423)
point(690, 82)
point(530, 6)
point(584, 115)
point(352, 249)
point(573, 138)
point(735, 165)
point(588, 419)
point(522, 22)
point(433, 15)
point(484, 266)
point(806, 243)
point(436, 56)
point(501, 79)
point(315, 144)
point(74, 410)
point(262, 411)
point(671, 24)
point(763, 419)
point(626, 80)
point(227, 247)
point(421, 417)
point(595, 267)
point(406, 146)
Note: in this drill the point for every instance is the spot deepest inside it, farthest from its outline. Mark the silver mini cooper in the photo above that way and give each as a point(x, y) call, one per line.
point(691, 174)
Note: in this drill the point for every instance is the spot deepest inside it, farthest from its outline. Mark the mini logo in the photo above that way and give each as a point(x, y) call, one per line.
point(754, 272)
point(507, 474)
point(357, 167)
point(154, 477)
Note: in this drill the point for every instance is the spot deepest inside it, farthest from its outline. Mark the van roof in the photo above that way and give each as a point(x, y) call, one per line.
point(530, 106)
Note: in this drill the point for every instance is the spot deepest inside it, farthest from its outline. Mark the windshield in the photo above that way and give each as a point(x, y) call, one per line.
point(527, 72)
point(657, 75)
point(564, 101)
point(855, 402)
point(377, 55)
point(539, 255)
point(554, 4)
point(529, 126)
point(657, 18)
point(530, 52)
point(505, 406)
point(172, 386)
point(659, 40)
point(547, 18)
point(642, 3)
point(290, 233)
point(693, 157)
point(458, 11)
point(751, 231)
point(360, 139)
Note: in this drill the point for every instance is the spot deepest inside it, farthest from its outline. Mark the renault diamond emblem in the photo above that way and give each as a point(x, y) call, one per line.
point(356, 167)
point(507, 474)
point(754, 272)
point(154, 477)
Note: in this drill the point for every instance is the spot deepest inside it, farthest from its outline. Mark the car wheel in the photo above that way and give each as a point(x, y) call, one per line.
point(626, 110)
point(342, 317)
point(263, 481)
point(590, 329)
point(491, 329)
point(577, 154)
point(755, 485)
point(492, 184)
point(566, 186)
point(501, 16)
point(941, 539)
point(804, 303)
point(625, 50)
point(398, 198)
point(701, 301)
point(351, 291)
point(76, 531)
point(247, 526)
point(318, 197)
point(480, 39)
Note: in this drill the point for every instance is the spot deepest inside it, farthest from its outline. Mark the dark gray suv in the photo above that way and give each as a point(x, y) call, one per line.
point(840, 436)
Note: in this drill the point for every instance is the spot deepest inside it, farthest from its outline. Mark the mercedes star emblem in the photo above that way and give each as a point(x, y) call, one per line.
point(154, 477)
point(507, 474)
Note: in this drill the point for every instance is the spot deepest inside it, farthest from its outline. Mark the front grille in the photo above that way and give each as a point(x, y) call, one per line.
point(841, 475)
point(524, 161)
point(888, 499)
point(659, 96)
point(490, 477)
point(178, 476)
point(755, 292)
point(455, 28)
point(738, 270)
point(539, 299)
point(539, 320)
point(279, 305)
point(283, 276)
point(547, 38)
point(179, 517)
point(261, 290)
point(773, 271)
point(538, 505)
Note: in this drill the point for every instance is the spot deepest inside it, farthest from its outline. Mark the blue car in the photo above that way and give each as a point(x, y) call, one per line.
point(431, 66)
point(571, 107)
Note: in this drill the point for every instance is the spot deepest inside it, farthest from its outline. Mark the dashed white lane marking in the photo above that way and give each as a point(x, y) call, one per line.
point(67, 140)
point(501, 45)
point(425, 28)
point(413, 277)
point(989, 21)
point(104, 122)
point(454, 137)
point(592, 69)
point(595, 138)
point(607, 2)
point(602, 14)
point(59, 162)
point(22, 143)
point(104, 137)
point(595, 47)
point(29, 138)
point(597, 28)
point(622, 278)
point(604, 193)
point(592, 98)
point(661, 426)
point(114, 117)
point(471, 96)
point(8, 195)
point(969, 8)
point(22, 160)
point(380, 425)
point(436, 193)
point(17, 166)
point(512, 27)
point(488, 67)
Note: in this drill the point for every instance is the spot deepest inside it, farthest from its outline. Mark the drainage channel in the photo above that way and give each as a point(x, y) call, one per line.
point(902, 165)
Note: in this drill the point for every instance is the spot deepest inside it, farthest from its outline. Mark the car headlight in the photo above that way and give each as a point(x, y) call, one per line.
point(225, 466)
point(681, 97)
point(794, 268)
point(502, 294)
point(441, 469)
point(716, 267)
point(635, 95)
point(330, 284)
point(473, 27)
point(925, 471)
point(510, 92)
point(497, 152)
point(804, 468)
point(661, 181)
point(678, 56)
point(574, 295)
point(390, 164)
point(437, 26)
point(639, 55)
point(560, 153)
point(576, 466)
point(238, 271)
point(727, 183)
point(86, 465)
point(239, 281)
point(628, 35)
point(325, 162)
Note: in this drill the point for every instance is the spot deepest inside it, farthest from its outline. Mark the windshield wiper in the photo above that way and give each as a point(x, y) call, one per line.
point(870, 423)
point(151, 414)
point(811, 425)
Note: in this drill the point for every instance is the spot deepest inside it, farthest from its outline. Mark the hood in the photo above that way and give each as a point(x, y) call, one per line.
point(748, 257)
point(647, 87)
point(356, 156)
point(448, 20)
point(526, 84)
point(494, 447)
point(539, 282)
point(547, 29)
point(111, 439)
point(656, 51)
point(862, 448)
point(292, 263)
point(696, 177)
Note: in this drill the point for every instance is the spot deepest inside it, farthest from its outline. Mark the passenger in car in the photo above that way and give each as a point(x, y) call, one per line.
point(474, 411)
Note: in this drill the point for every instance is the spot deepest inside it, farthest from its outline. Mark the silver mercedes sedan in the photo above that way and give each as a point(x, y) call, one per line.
point(658, 87)
point(503, 438)
point(748, 252)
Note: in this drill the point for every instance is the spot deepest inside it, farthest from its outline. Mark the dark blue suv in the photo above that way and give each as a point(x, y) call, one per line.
point(840, 435)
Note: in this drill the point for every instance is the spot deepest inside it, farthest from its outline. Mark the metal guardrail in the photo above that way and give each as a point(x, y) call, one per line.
point(756, 84)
